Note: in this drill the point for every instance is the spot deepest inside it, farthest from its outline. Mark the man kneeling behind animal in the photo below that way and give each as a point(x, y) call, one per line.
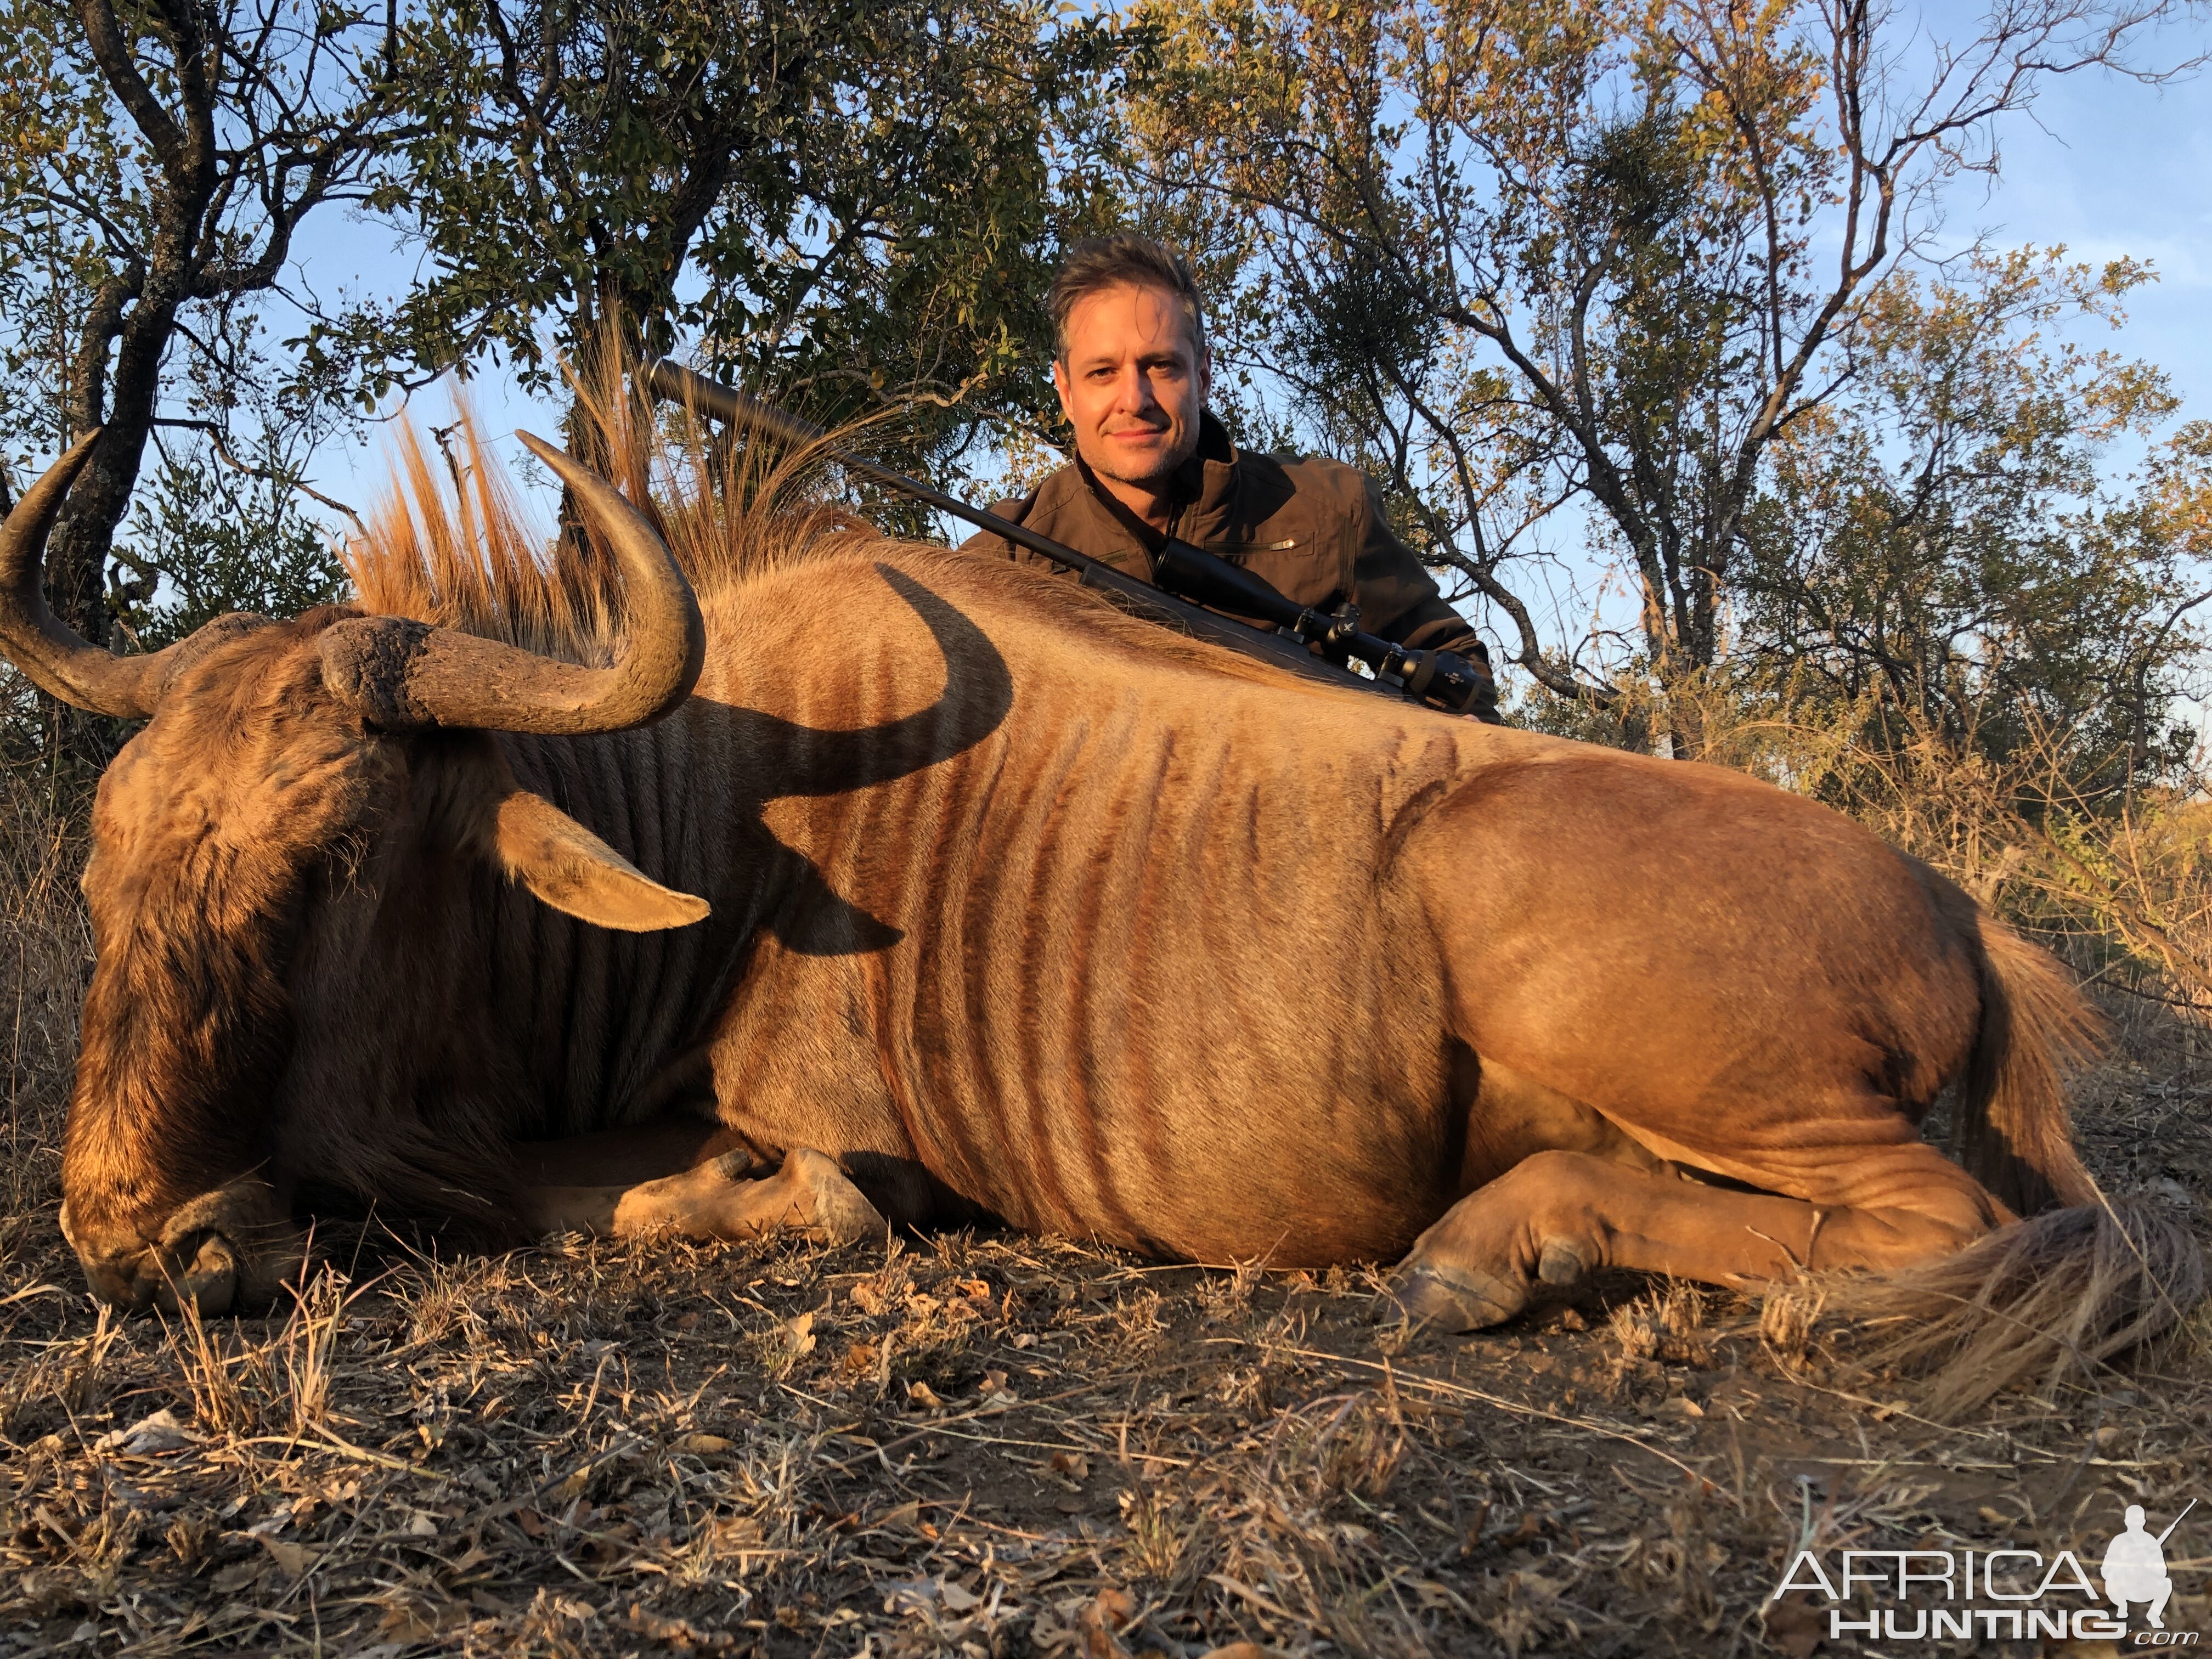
point(1133, 370)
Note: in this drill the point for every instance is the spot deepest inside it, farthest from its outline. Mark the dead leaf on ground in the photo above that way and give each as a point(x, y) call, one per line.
point(1102, 1621)
point(412, 1623)
point(678, 1633)
point(237, 1575)
point(292, 1560)
point(150, 1437)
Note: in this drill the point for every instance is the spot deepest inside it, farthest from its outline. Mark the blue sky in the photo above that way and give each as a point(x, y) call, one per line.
point(2116, 168)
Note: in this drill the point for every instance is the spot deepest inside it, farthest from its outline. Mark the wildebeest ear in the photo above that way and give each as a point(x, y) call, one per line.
point(579, 875)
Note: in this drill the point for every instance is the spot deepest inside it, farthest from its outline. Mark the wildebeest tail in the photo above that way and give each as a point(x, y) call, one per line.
point(2062, 1289)
point(2033, 1302)
point(2013, 1133)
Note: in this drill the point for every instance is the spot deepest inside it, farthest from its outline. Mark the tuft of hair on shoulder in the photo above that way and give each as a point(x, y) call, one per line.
point(450, 540)
point(1124, 260)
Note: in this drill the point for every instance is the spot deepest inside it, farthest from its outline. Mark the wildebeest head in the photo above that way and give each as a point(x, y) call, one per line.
point(268, 769)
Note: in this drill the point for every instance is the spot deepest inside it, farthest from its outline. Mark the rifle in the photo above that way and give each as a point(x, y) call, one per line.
point(2175, 1521)
point(1192, 586)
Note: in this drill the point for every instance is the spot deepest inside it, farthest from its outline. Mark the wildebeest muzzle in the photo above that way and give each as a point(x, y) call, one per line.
point(232, 1249)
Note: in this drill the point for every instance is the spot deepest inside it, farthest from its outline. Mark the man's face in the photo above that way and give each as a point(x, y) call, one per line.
point(1133, 382)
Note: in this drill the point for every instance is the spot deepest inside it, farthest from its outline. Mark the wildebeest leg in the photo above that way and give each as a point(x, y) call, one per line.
point(1557, 1217)
point(661, 1145)
point(713, 1193)
point(1741, 983)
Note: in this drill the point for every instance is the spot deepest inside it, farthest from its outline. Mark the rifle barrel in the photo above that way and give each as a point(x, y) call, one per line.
point(2175, 1521)
point(1200, 579)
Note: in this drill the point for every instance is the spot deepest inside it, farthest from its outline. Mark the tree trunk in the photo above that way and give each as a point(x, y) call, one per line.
point(84, 531)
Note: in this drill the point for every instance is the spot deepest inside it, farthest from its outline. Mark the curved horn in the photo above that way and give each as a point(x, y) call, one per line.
point(32, 637)
point(407, 676)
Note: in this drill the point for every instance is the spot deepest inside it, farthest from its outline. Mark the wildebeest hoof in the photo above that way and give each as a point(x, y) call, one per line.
point(836, 1210)
point(1454, 1298)
point(1563, 1265)
point(207, 1280)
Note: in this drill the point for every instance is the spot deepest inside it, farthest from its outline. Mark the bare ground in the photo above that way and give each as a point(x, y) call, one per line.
point(1005, 1445)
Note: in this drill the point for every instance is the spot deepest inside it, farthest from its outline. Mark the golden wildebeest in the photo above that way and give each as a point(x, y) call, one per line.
point(1007, 905)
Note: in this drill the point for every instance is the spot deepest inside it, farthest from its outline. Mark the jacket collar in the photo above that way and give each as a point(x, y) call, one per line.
point(1206, 480)
point(1204, 489)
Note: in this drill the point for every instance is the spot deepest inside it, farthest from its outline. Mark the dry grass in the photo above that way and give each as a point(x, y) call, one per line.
point(992, 1445)
point(45, 960)
point(988, 1445)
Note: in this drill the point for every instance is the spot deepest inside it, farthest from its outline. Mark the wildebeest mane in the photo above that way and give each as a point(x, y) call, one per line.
point(451, 542)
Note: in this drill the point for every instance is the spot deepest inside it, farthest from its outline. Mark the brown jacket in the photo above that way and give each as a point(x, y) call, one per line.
point(1312, 528)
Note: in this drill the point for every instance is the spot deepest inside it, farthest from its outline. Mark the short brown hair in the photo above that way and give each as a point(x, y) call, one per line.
point(1123, 259)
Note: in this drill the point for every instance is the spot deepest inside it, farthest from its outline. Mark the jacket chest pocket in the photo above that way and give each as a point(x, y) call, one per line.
point(1294, 566)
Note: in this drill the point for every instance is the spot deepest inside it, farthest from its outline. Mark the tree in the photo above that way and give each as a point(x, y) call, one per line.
point(158, 161)
point(216, 540)
point(848, 203)
point(1942, 551)
point(1524, 252)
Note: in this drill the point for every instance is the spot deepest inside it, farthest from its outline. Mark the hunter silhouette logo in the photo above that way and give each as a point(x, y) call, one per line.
point(2006, 1594)
point(2135, 1566)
